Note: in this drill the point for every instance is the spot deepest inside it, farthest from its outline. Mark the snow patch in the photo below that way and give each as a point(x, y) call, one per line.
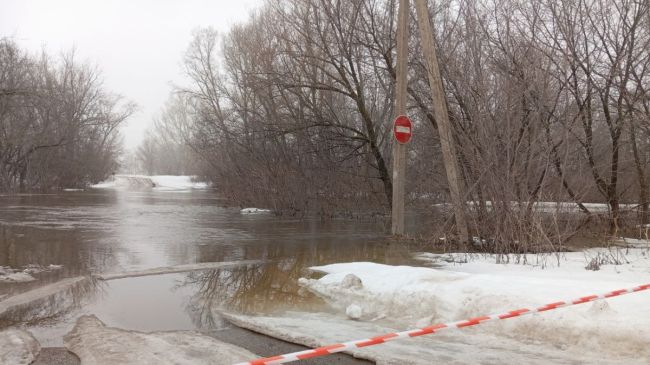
point(634, 243)
point(156, 182)
point(96, 344)
point(18, 347)
point(167, 182)
point(551, 207)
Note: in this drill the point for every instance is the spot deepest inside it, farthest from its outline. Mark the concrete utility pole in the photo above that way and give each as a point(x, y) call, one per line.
point(399, 149)
point(442, 118)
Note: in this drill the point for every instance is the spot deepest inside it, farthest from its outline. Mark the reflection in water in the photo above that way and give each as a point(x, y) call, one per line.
point(50, 303)
point(273, 286)
point(115, 231)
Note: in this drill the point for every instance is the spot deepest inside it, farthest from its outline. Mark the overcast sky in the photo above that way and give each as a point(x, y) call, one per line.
point(138, 44)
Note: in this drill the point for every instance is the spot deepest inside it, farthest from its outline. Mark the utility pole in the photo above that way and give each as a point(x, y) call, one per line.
point(440, 113)
point(399, 149)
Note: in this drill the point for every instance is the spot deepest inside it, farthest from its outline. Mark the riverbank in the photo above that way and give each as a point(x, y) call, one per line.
point(369, 299)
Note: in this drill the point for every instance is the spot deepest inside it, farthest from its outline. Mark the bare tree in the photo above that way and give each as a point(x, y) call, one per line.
point(59, 127)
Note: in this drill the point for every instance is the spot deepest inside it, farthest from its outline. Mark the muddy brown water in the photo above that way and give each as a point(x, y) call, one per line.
point(99, 231)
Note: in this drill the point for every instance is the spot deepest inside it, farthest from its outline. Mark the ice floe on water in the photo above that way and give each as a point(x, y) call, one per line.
point(156, 182)
point(254, 211)
point(176, 269)
point(96, 344)
point(15, 277)
point(8, 274)
point(18, 347)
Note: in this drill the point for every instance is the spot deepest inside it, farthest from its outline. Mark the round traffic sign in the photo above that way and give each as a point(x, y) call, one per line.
point(402, 129)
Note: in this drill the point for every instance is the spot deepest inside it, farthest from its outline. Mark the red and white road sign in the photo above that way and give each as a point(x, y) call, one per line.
point(402, 129)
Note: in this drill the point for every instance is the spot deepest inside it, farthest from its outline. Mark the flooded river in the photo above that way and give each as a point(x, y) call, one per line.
point(107, 230)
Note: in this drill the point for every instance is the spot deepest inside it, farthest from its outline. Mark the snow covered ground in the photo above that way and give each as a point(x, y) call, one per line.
point(390, 298)
point(156, 182)
point(551, 207)
point(96, 344)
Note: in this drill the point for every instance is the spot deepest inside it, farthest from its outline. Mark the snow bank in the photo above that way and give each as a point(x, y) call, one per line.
point(18, 347)
point(167, 182)
point(254, 211)
point(126, 182)
point(414, 297)
point(96, 344)
point(156, 182)
point(393, 291)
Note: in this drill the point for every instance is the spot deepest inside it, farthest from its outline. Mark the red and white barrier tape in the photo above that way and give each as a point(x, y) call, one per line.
point(330, 349)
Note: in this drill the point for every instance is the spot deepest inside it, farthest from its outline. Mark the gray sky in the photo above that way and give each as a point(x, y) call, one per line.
point(138, 44)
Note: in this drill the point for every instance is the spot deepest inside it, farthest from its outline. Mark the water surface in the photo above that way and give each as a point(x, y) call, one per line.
point(103, 230)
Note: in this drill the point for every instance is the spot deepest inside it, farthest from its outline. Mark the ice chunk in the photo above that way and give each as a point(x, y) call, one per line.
point(178, 268)
point(7, 274)
point(352, 281)
point(18, 347)
point(96, 344)
point(353, 311)
point(16, 277)
point(254, 211)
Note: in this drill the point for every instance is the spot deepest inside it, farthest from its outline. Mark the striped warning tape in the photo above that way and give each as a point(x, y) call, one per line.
point(330, 349)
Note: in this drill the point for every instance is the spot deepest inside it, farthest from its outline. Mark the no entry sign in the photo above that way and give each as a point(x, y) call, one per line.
point(402, 129)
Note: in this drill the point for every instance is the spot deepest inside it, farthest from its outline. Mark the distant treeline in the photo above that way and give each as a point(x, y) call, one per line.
point(549, 101)
point(164, 150)
point(58, 124)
